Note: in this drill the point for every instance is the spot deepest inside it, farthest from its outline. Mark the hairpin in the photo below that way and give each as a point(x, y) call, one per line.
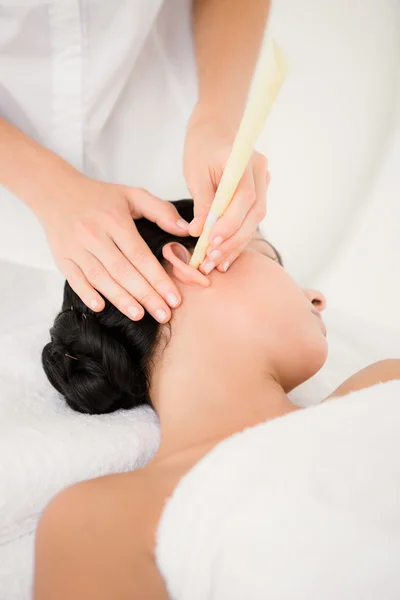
point(73, 357)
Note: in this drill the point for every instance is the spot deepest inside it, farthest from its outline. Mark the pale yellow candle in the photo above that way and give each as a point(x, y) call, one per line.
point(269, 75)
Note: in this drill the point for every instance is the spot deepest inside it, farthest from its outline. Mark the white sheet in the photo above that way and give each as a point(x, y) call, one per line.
point(45, 445)
point(303, 507)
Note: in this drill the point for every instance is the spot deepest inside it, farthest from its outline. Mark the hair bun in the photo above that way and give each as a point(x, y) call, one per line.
point(89, 366)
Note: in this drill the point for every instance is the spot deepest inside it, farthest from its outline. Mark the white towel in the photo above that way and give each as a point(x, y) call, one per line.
point(16, 571)
point(303, 507)
point(45, 446)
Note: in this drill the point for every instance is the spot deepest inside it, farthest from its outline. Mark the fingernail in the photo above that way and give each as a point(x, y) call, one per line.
point(172, 300)
point(94, 304)
point(134, 312)
point(226, 265)
point(215, 254)
point(218, 240)
point(161, 315)
point(209, 267)
point(182, 224)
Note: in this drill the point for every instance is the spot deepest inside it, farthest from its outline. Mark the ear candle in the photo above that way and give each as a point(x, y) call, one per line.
point(269, 75)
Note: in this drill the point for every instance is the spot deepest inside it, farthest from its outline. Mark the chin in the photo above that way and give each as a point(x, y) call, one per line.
point(317, 355)
point(310, 358)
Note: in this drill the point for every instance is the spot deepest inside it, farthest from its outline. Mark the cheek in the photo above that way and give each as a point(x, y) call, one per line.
point(298, 347)
point(280, 313)
point(263, 289)
point(258, 291)
point(279, 301)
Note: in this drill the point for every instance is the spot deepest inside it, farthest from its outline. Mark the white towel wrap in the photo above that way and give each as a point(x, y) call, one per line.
point(303, 507)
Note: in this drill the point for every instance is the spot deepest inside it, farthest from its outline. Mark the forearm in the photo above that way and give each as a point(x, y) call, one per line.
point(228, 36)
point(29, 170)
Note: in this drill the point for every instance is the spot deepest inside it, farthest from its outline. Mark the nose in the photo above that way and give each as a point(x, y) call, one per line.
point(316, 298)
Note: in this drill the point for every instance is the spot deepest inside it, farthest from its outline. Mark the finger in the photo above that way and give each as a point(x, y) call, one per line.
point(258, 183)
point(163, 213)
point(228, 251)
point(203, 196)
point(80, 285)
point(130, 262)
point(130, 304)
point(250, 224)
point(238, 209)
point(239, 240)
point(233, 247)
point(228, 260)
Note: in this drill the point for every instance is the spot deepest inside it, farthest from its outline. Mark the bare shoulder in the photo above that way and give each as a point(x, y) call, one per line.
point(96, 536)
point(379, 372)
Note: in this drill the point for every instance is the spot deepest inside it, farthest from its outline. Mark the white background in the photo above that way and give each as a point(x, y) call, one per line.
point(333, 143)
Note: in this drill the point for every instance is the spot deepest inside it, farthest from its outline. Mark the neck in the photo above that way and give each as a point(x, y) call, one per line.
point(208, 398)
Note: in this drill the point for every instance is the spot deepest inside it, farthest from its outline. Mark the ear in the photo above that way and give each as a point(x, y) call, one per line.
point(178, 256)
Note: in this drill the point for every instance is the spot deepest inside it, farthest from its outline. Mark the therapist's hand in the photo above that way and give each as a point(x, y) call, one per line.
point(207, 148)
point(97, 247)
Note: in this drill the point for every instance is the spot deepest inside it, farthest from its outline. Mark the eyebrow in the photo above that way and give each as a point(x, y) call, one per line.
point(278, 256)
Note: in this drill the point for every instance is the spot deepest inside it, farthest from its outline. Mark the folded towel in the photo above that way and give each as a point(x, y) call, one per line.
point(45, 446)
point(16, 571)
point(303, 507)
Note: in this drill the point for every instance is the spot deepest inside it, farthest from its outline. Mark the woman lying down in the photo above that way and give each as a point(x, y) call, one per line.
point(227, 361)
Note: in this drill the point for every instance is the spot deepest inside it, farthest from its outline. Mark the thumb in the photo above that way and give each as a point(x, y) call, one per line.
point(203, 196)
point(162, 213)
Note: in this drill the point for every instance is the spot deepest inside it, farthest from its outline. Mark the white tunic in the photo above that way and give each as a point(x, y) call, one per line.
point(108, 85)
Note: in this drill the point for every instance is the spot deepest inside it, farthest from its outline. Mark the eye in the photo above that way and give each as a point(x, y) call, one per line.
point(274, 258)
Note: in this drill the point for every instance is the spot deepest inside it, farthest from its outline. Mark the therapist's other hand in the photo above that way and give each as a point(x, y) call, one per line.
point(97, 247)
point(207, 149)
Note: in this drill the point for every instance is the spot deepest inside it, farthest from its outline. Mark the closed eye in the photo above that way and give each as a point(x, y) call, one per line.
point(270, 251)
point(274, 258)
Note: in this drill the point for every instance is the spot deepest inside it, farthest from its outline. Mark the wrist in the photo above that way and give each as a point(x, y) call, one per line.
point(56, 184)
point(222, 120)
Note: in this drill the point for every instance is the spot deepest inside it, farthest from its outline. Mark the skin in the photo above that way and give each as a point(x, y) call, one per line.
point(224, 69)
point(96, 539)
point(89, 224)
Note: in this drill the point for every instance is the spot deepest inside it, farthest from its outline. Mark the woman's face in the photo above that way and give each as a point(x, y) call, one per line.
point(253, 318)
point(258, 309)
point(287, 317)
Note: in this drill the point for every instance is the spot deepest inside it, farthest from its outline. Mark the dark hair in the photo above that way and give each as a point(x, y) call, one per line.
point(100, 361)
